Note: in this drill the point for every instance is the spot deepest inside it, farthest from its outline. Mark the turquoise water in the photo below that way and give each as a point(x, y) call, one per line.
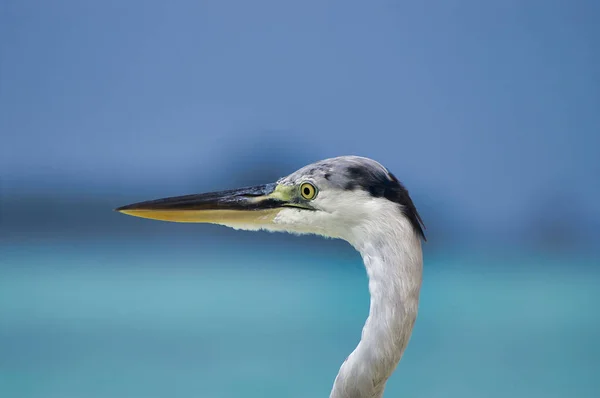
point(175, 321)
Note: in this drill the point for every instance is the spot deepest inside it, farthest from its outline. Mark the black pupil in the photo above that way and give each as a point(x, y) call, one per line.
point(306, 191)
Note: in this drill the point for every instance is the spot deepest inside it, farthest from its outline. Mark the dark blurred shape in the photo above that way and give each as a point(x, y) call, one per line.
point(257, 157)
point(558, 221)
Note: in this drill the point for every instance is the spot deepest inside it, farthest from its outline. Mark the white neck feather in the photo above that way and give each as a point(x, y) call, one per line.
point(393, 259)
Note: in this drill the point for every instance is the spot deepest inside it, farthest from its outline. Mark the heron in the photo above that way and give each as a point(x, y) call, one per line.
point(351, 198)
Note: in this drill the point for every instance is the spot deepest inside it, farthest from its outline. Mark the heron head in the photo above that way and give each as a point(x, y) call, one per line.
point(331, 197)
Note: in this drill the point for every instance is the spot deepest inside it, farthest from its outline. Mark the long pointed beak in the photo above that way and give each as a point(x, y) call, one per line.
point(254, 205)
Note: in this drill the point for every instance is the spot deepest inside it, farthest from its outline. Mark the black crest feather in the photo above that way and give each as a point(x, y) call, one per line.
point(380, 184)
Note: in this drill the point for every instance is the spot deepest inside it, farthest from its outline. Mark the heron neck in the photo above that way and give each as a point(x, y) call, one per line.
point(394, 262)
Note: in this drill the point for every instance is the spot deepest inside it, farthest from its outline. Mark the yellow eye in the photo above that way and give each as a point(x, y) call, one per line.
point(308, 191)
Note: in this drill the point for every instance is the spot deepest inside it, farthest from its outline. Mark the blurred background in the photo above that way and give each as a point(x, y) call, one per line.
point(487, 111)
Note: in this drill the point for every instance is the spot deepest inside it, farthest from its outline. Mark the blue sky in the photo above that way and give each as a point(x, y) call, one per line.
point(483, 106)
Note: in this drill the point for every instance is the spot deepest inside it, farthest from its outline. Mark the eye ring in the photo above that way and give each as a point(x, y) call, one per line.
point(308, 190)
